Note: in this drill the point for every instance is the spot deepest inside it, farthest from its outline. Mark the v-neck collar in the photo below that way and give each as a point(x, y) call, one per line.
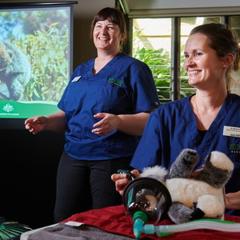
point(221, 114)
point(105, 68)
point(215, 125)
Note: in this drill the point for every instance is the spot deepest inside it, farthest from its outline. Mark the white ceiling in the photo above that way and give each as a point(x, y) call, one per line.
point(141, 8)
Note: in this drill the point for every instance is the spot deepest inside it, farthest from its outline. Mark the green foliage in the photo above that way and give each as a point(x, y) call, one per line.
point(159, 63)
point(43, 37)
point(48, 55)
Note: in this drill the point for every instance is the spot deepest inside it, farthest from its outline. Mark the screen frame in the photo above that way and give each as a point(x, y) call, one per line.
point(18, 123)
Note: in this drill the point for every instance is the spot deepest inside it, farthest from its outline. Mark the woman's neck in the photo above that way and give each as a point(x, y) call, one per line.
point(206, 107)
point(210, 100)
point(102, 60)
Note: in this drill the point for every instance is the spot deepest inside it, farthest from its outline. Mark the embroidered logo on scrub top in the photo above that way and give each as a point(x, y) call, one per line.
point(115, 81)
point(76, 79)
point(231, 131)
point(235, 148)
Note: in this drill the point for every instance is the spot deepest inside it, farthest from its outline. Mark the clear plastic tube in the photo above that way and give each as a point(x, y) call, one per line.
point(218, 225)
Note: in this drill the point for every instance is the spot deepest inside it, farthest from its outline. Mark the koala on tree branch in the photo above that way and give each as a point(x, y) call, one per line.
point(15, 72)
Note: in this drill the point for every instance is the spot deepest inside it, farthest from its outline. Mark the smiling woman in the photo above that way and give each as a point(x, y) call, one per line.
point(104, 109)
point(207, 73)
point(108, 36)
point(206, 121)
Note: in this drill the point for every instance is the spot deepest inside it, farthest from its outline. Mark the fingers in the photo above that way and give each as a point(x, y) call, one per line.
point(30, 128)
point(29, 125)
point(232, 200)
point(117, 176)
point(99, 115)
point(33, 125)
point(98, 128)
point(100, 122)
point(101, 130)
point(135, 173)
point(97, 131)
point(121, 181)
point(103, 126)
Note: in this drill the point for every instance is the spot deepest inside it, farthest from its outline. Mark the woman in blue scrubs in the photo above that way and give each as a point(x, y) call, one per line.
point(103, 111)
point(206, 121)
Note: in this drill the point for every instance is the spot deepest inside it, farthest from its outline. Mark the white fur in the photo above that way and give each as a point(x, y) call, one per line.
point(156, 172)
point(221, 161)
point(188, 191)
point(211, 205)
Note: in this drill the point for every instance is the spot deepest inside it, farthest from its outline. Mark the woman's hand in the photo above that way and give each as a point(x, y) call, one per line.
point(107, 123)
point(132, 124)
point(232, 200)
point(36, 124)
point(122, 179)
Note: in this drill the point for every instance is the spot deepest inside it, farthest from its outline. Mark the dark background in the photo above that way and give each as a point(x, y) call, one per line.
point(27, 175)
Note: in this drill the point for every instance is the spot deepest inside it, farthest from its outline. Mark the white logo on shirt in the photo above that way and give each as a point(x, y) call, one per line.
point(231, 131)
point(76, 79)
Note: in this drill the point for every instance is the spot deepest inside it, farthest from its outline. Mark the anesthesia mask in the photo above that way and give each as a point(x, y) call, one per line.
point(147, 195)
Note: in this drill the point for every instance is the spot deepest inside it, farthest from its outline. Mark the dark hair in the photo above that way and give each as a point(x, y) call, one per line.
point(113, 15)
point(222, 40)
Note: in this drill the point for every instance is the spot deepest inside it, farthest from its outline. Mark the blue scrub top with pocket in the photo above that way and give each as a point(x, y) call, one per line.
point(124, 86)
point(173, 127)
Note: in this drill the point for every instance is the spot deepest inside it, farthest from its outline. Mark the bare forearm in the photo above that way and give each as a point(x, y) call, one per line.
point(56, 122)
point(132, 124)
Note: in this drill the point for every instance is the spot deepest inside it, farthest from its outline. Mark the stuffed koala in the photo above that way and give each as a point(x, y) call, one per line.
point(195, 194)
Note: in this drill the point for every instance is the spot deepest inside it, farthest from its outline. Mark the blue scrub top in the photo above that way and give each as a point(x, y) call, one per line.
point(124, 86)
point(173, 127)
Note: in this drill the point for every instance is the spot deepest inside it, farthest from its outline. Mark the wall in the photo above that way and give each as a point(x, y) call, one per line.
point(29, 163)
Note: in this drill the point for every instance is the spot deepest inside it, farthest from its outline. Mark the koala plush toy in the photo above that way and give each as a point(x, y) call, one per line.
point(195, 194)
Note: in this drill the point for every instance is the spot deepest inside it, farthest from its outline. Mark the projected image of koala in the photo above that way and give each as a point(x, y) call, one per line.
point(15, 72)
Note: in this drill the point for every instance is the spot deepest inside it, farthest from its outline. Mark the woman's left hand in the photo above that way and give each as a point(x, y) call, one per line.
point(232, 200)
point(108, 123)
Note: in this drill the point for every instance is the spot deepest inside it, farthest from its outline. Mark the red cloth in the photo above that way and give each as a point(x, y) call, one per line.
point(115, 220)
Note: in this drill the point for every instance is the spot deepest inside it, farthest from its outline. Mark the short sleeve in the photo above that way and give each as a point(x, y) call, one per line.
point(144, 90)
point(148, 150)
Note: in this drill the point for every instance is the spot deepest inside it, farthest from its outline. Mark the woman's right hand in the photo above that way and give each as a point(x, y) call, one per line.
point(122, 179)
point(36, 124)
